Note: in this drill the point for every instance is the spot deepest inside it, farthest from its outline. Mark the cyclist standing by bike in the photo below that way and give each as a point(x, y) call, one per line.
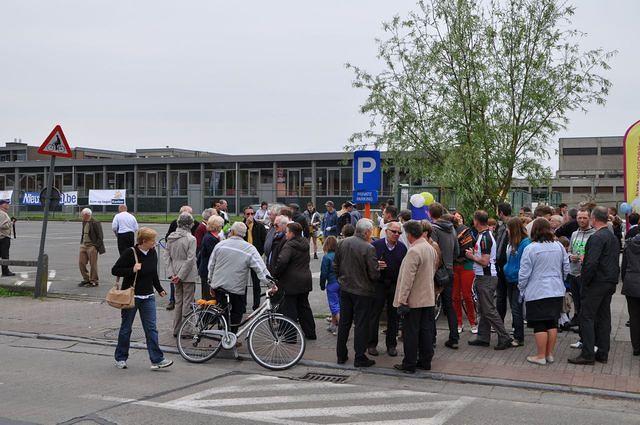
point(230, 265)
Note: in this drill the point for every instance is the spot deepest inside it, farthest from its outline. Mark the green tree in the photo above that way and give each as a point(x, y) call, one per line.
point(472, 93)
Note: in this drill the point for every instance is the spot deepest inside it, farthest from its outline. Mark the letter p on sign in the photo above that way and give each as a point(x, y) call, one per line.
point(366, 170)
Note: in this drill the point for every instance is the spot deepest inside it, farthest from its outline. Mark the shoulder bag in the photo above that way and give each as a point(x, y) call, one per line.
point(123, 299)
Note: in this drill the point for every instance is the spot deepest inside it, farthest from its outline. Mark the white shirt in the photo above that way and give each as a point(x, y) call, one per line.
point(124, 222)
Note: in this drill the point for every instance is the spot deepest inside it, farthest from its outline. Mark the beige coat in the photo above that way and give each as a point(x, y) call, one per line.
point(415, 282)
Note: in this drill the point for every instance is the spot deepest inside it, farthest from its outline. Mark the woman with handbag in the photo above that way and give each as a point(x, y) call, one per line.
point(138, 267)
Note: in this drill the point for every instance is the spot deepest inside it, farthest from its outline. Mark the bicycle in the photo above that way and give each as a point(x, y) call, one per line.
point(275, 342)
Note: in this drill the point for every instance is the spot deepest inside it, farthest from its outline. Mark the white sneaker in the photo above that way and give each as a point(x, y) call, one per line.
point(164, 363)
point(474, 329)
point(460, 329)
point(550, 359)
point(120, 364)
point(577, 344)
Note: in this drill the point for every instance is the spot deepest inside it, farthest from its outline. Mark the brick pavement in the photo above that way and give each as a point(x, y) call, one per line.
point(93, 319)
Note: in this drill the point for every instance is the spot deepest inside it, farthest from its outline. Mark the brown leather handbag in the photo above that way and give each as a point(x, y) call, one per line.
point(123, 299)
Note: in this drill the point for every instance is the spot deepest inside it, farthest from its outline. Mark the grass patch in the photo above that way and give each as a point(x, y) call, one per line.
point(4, 293)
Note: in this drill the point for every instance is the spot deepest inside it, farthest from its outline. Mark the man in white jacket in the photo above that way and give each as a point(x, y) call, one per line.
point(230, 266)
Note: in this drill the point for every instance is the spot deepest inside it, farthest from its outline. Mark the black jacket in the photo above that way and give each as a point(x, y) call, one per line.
point(601, 259)
point(95, 234)
point(147, 276)
point(356, 266)
point(567, 229)
point(206, 248)
point(173, 226)
point(259, 234)
point(276, 246)
point(631, 268)
point(502, 240)
point(292, 267)
point(632, 232)
point(302, 220)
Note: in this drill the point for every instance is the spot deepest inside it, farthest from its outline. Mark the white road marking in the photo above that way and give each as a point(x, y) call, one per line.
point(443, 410)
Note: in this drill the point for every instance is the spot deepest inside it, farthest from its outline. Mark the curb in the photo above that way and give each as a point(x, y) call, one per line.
point(435, 376)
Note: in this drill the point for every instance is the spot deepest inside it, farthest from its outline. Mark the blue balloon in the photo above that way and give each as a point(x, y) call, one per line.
point(625, 208)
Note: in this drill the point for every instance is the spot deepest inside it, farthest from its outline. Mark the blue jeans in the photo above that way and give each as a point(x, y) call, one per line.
point(172, 293)
point(147, 310)
point(516, 311)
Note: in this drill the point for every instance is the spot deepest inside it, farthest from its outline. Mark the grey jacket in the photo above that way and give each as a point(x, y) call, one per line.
point(543, 268)
point(447, 238)
point(356, 266)
point(230, 265)
point(577, 246)
point(180, 255)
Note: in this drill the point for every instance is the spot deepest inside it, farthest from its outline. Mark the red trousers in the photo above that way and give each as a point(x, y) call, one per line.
point(462, 283)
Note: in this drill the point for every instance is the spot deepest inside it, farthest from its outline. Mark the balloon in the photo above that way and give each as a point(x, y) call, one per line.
point(417, 201)
point(625, 208)
point(418, 213)
point(428, 198)
point(636, 204)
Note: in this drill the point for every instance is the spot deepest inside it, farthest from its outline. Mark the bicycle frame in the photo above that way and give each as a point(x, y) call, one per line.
point(245, 325)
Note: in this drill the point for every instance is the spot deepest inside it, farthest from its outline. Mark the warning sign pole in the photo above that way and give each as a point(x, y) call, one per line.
point(47, 202)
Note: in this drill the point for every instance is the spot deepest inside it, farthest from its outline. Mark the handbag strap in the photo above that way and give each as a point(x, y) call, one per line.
point(135, 256)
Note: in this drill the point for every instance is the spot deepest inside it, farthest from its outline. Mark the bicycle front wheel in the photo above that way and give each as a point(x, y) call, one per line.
point(276, 342)
point(195, 344)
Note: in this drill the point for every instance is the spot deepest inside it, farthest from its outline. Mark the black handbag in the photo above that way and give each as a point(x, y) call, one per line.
point(442, 277)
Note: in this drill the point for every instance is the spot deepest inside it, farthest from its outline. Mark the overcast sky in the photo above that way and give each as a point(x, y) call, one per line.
point(230, 77)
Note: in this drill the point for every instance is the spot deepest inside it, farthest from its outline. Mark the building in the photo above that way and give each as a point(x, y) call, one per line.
point(589, 169)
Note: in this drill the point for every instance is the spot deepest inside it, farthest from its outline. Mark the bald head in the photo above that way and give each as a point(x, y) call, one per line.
point(122, 208)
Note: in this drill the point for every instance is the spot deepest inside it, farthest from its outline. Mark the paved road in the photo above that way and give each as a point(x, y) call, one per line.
point(63, 239)
point(65, 382)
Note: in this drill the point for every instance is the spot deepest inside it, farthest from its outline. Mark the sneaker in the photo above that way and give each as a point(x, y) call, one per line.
point(315, 255)
point(550, 359)
point(120, 364)
point(171, 305)
point(517, 343)
point(474, 330)
point(163, 363)
point(332, 329)
point(328, 319)
point(577, 344)
point(460, 329)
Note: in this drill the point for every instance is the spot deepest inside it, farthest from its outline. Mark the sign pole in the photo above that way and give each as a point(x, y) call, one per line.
point(367, 210)
point(47, 202)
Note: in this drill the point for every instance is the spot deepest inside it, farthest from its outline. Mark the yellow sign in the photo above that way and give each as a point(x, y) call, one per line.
point(632, 162)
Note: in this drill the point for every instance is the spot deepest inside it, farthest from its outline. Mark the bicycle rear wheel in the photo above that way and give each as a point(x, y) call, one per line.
point(196, 346)
point(276, 342)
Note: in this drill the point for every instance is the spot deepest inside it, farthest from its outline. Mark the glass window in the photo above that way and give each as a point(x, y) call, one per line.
point(57, 181)
point(217, 183)
point(142, 183)
point(333, 182)
point(178, 183)
point(194, 177)
point(162, 184)
point(21, 156)
point(619, 189)
point(293, 182)
point(307, 182)
point(67, 179)
point(321, 181)
point(10, 181)
point(80, 181)
point(2, 187)
point(230, 186)
point(90, 181)
point(346, 178)
point(579, 151)
point(611, 150)
point(98, 180)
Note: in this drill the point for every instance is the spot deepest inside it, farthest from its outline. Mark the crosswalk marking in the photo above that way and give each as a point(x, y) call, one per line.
point(275, 402)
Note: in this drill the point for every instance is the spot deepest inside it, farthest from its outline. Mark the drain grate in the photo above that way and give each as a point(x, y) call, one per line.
point(137, 334)
point(324, 377)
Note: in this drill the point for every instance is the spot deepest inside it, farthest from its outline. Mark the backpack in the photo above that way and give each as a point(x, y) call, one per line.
point(342, 220)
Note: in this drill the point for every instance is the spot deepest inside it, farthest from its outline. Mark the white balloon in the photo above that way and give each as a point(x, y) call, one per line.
point(417, 200)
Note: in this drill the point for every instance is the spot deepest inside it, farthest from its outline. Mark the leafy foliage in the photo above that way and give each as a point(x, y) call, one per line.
point(471, 94)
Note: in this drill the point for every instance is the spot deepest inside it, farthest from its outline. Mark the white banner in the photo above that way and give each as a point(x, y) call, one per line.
point(107, 197)
point(6, 195)
point(69, 198)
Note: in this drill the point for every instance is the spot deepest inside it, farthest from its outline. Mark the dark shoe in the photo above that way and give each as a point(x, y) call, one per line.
point(315, 255)
point(451, 344)
point(503, 345)
point(171, 305)
point(372, 351)
point(636, 352)
point(311, 337)
point(423, 366)
point(83, 283)
point(8, 274)
point(478, 343)
point(366, 362)
point(392, 351)
point(343, 361)
point(403, 368)
point(628, 324)
point(581, 360)
point(602, 359)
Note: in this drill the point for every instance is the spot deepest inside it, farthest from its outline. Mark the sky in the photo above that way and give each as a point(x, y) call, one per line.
point(245, 77)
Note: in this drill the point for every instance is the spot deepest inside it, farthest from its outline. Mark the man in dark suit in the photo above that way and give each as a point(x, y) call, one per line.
point(256, 236)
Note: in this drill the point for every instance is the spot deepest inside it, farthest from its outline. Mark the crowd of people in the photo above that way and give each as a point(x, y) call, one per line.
point(554, 269)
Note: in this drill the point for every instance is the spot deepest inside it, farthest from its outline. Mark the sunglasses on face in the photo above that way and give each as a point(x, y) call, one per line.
point(395, 232)
point(250, 213)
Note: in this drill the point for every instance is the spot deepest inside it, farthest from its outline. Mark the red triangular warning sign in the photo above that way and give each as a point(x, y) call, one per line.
point(56, 144)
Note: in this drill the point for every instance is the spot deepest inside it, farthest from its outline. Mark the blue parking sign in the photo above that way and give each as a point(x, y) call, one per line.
point(367, 171)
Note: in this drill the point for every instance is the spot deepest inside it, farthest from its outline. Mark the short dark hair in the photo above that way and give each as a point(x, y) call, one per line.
point(286, 212)
point(413, 228)
point(248, 207)
point(390, 202)
point(436, 210)
point(525, 209)
point(542, 210)
point(404, 215)
point(504, 208)
point(264, 203)
point(541, 230)
point(614, 209)
point(573, 213)
point(562, 205)
point(295, 228)
point(481, 217)
point(348, 230)
point(391, 209)
point(600, 214)
point(634, 218)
